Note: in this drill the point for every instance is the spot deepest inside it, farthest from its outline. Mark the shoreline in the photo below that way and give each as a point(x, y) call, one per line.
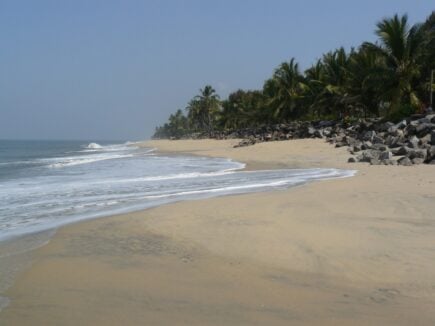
point(211, 240)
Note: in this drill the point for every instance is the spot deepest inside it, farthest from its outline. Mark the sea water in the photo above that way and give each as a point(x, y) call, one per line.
point(46, 184)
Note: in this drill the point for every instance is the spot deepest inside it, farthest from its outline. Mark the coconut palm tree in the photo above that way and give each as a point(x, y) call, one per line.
point(286, 89)
point(400, 46)
point(364, 80)
point(203, 109)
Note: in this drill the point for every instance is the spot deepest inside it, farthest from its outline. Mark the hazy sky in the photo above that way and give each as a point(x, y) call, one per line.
point(115, 69)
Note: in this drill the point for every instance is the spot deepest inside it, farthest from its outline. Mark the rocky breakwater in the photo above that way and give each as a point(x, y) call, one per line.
point(409, 142)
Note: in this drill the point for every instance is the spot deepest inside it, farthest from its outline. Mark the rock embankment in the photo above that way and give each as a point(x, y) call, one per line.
point(411, 141)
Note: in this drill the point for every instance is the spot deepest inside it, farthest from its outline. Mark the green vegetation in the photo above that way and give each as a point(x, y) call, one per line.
point(389, 78)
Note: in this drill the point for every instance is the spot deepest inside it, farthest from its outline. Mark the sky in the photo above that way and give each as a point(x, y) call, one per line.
point(113, 70)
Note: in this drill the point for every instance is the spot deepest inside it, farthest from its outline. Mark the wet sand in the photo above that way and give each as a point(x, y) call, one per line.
point(355, 251)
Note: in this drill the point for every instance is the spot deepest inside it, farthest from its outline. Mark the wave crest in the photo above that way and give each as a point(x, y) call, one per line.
point(94, 146)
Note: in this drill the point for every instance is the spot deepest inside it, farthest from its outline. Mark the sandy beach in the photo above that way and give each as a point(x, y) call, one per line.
point(352, 251)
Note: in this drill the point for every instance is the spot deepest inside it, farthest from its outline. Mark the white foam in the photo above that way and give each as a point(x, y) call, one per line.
point(94, 146)
point(55, 197)
point(70, 161)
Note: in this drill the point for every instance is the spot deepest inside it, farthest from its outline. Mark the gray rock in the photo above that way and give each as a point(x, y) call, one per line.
point(351, 160)
point(417, 160)
point(375, 161)
point(318, 134)
point(405, 161)
point(368, 135)
point(368, 155)
point(378, 139)
point(402, 151)
point(425, 140)
point(380, 147)
point(417, 153)
point(366, 145)
point(424, 128)
point(311, 131)
point(386, 155)
point(431, 153)
point(414, 123)
point(413, 142)
point(401, 125)
point(392, 141)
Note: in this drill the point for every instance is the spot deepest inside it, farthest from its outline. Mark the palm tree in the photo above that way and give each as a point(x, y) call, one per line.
point(335, 96)
point(203, 109)
point(400, 46)
point(314, 78)
point(286, 89)
point(364, 80)
point(242, 109)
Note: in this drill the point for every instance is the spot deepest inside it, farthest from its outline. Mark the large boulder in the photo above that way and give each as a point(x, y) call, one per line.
point(417, 160)
point(405, 161)
point(417, 153)
point(368, 155)
point(402, 151)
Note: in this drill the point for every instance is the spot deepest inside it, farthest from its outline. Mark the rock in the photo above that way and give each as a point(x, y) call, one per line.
point(311, 131)
point(424, 128)
point(375, 161)
point(386, 155)
point(431, 153)
point(432, 136)
point(417, 153)
point(392, 141)
point(386, 126)
point(425, 140)
point(378, 139)
point(380, 147)
point(351, 160)
point(366, 145)
point(405, 161)
point(413, 142)
point(368, 135)
point(401, 125)
point(402, 151)
point(368, 155)
point(417, 160)
point(318, 134)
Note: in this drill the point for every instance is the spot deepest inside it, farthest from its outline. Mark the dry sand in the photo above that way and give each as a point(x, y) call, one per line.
point(355, 251)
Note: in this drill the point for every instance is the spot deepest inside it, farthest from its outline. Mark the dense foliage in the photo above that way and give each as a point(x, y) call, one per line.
point(388, 78)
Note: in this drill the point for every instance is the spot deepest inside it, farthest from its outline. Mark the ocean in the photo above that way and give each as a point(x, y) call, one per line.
point(46, 184)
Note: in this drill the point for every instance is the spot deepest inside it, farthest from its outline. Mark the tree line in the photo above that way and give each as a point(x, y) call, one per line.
point(389, 78)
